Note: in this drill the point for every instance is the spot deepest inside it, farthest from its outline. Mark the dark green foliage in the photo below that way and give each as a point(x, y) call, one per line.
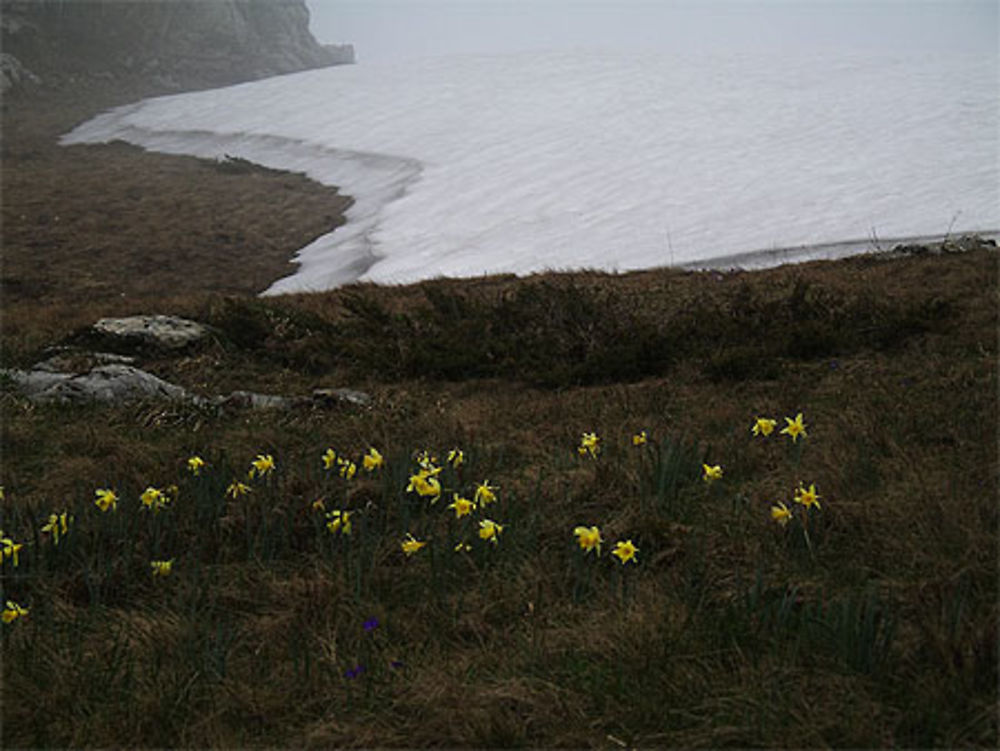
point(543, 333)
point(856, 628)
point(570, 333)
point(284, 335)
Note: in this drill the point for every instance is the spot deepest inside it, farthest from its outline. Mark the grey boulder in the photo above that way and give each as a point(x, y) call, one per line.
point(105, 383)
point(155, 331)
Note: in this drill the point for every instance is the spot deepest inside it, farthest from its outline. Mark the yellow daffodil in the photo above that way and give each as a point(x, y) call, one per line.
point(329, 459)
point(236, 489)
point(161, 568)
point(589, 445)
point(425, 484)
point(625, 551)
point(711, 473)
point(106, 499)
point(795, 428)
point(781, 514)
point(485, 494)
point(347, 468)
point(339, 521)
point(262, 466)
point(318, 505)
point(411, 545)
point(640, 438)
point(589, 538)
point(195, 464)
point(9, 548)
point(456, 458)
point(462, 506)
point(489, 530)
point(12, 612)
point(57, 526)
point(426, 460)
point(807, 498)
point(763, 426)
point(372, 460)
point(463, 547)
point(154, 499)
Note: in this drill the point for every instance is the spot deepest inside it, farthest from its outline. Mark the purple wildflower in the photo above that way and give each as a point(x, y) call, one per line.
point(371, 624)
point(354, 672)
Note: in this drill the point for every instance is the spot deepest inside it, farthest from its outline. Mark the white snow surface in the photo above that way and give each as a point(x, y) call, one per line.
point(518, 163)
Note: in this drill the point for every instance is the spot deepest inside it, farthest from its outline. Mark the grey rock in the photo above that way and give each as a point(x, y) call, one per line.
point(106, 383)
point(253, 400)
point(332, 397)
point(157, 331)
point(73, 360)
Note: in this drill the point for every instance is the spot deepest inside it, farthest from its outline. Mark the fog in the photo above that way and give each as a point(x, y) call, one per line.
point(393, 30)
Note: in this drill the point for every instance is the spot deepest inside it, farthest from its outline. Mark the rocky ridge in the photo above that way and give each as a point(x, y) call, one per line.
point(177, 44)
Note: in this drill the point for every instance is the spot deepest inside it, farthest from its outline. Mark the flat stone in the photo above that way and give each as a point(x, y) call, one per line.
point(105, 383)
point(160, 331)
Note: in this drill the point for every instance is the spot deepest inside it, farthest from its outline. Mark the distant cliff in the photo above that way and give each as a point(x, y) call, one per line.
point(178, 44)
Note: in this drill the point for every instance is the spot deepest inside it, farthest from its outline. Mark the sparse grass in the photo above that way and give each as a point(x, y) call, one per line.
point(729, 630)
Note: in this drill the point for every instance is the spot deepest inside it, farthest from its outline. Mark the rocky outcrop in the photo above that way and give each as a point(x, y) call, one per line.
point(181, 44)
point(117, 383)
point(76, 373)
point(104, 383)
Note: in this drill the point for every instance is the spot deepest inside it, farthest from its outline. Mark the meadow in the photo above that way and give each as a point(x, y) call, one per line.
point(565, 519)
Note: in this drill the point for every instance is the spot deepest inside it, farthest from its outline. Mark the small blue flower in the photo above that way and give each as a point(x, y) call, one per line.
point(354, 672)
point(371, 624)
point(397, 664)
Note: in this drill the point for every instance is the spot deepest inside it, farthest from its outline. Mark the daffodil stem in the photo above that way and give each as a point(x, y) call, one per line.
point(805, 533)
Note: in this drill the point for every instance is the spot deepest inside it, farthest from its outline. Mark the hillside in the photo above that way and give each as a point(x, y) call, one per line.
point(199, 616)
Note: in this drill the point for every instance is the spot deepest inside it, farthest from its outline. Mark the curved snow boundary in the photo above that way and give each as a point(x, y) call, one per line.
point(371, 180)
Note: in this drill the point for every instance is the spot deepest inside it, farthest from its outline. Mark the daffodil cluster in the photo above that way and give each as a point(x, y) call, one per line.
point(426, 482)
point(338, 521)
point(589, 539)
point(807, 498)
point(156, 500)
point(57, 526)
point(794, 427)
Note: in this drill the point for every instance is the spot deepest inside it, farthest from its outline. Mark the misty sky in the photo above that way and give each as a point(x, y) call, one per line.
point(390, 30)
